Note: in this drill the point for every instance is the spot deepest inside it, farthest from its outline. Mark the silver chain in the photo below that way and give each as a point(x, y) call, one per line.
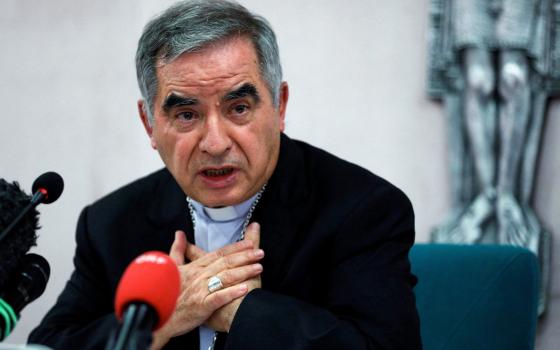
point(241, 237)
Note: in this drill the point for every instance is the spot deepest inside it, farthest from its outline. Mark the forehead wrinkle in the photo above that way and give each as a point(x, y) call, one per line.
point(205, 72)
point(210, 59)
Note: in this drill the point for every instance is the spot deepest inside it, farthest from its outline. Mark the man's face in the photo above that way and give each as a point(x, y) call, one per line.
point(215, 125)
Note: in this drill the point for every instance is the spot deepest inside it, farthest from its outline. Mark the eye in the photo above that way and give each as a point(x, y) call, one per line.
point(186, 116)
point(240, 109)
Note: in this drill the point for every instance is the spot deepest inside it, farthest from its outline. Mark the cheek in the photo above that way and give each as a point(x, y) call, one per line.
point(172, 147)
point(263, 144)
point(183, 150)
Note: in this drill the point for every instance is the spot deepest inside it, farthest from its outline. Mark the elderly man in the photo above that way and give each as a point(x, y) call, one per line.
point(309, 251)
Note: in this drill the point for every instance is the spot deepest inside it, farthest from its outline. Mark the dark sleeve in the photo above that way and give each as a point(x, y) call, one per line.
point(82, 317)
point(369, 298)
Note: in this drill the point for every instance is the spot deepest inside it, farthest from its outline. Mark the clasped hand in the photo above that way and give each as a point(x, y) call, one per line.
point(237, 267)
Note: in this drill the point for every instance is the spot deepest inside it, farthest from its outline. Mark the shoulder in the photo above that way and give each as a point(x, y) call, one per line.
point(347, 182)
point(135, 190)
point(351, 209)
point(135, 196)
point(133, 212)
point(119, 226)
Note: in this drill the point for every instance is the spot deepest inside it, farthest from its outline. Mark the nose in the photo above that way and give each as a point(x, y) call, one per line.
point(215, 139)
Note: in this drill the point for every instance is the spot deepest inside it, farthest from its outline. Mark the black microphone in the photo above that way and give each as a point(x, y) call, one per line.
point(25, 285)
point(46, 189)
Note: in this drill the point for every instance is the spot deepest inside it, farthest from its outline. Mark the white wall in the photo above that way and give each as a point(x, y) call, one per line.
point(356, 73)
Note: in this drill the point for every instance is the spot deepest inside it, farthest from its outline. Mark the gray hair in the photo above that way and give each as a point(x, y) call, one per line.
point(191, 25)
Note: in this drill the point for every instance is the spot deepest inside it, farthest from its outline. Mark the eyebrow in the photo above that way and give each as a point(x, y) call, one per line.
point(174, 100)
point(245, 90)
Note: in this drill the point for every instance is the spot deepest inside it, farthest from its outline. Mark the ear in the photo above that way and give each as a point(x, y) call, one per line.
point(283, 103)
point(142, 111)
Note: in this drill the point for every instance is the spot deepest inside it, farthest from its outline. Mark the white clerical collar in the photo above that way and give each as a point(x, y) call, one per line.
point(223, 214)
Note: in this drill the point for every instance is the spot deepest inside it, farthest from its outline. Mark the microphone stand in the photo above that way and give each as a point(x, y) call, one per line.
point(135, 332)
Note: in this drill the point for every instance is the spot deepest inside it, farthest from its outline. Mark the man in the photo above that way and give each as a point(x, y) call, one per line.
point(324, 263)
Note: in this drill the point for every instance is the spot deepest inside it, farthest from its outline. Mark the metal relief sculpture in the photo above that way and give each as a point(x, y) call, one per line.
point(494, 63)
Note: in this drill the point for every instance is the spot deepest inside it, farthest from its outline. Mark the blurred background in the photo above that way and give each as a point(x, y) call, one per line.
point(356, 71)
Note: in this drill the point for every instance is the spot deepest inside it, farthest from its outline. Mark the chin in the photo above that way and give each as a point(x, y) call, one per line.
point(218, 201)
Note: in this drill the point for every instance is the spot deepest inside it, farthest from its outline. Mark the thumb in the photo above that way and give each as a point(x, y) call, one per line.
point(177, 251)
point(193, 252)
point(254, 234)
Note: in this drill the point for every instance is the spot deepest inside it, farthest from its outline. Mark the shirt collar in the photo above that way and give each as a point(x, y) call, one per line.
point(224, 214)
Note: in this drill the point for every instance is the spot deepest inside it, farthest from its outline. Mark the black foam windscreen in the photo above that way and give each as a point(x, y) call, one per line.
point(50, 182)
point(12, 201)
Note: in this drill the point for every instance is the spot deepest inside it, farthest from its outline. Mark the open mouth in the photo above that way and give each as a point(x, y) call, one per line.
point(217, 172)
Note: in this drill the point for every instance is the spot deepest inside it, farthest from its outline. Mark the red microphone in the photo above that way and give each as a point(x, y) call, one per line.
point(145, 299)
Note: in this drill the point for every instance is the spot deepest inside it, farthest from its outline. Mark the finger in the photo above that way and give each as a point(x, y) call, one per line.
point(192, 252)
point(224, 296)
point(232, 261)
point(177, 251)
point(239, 274)
point(229, 249)
point(254, 234)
